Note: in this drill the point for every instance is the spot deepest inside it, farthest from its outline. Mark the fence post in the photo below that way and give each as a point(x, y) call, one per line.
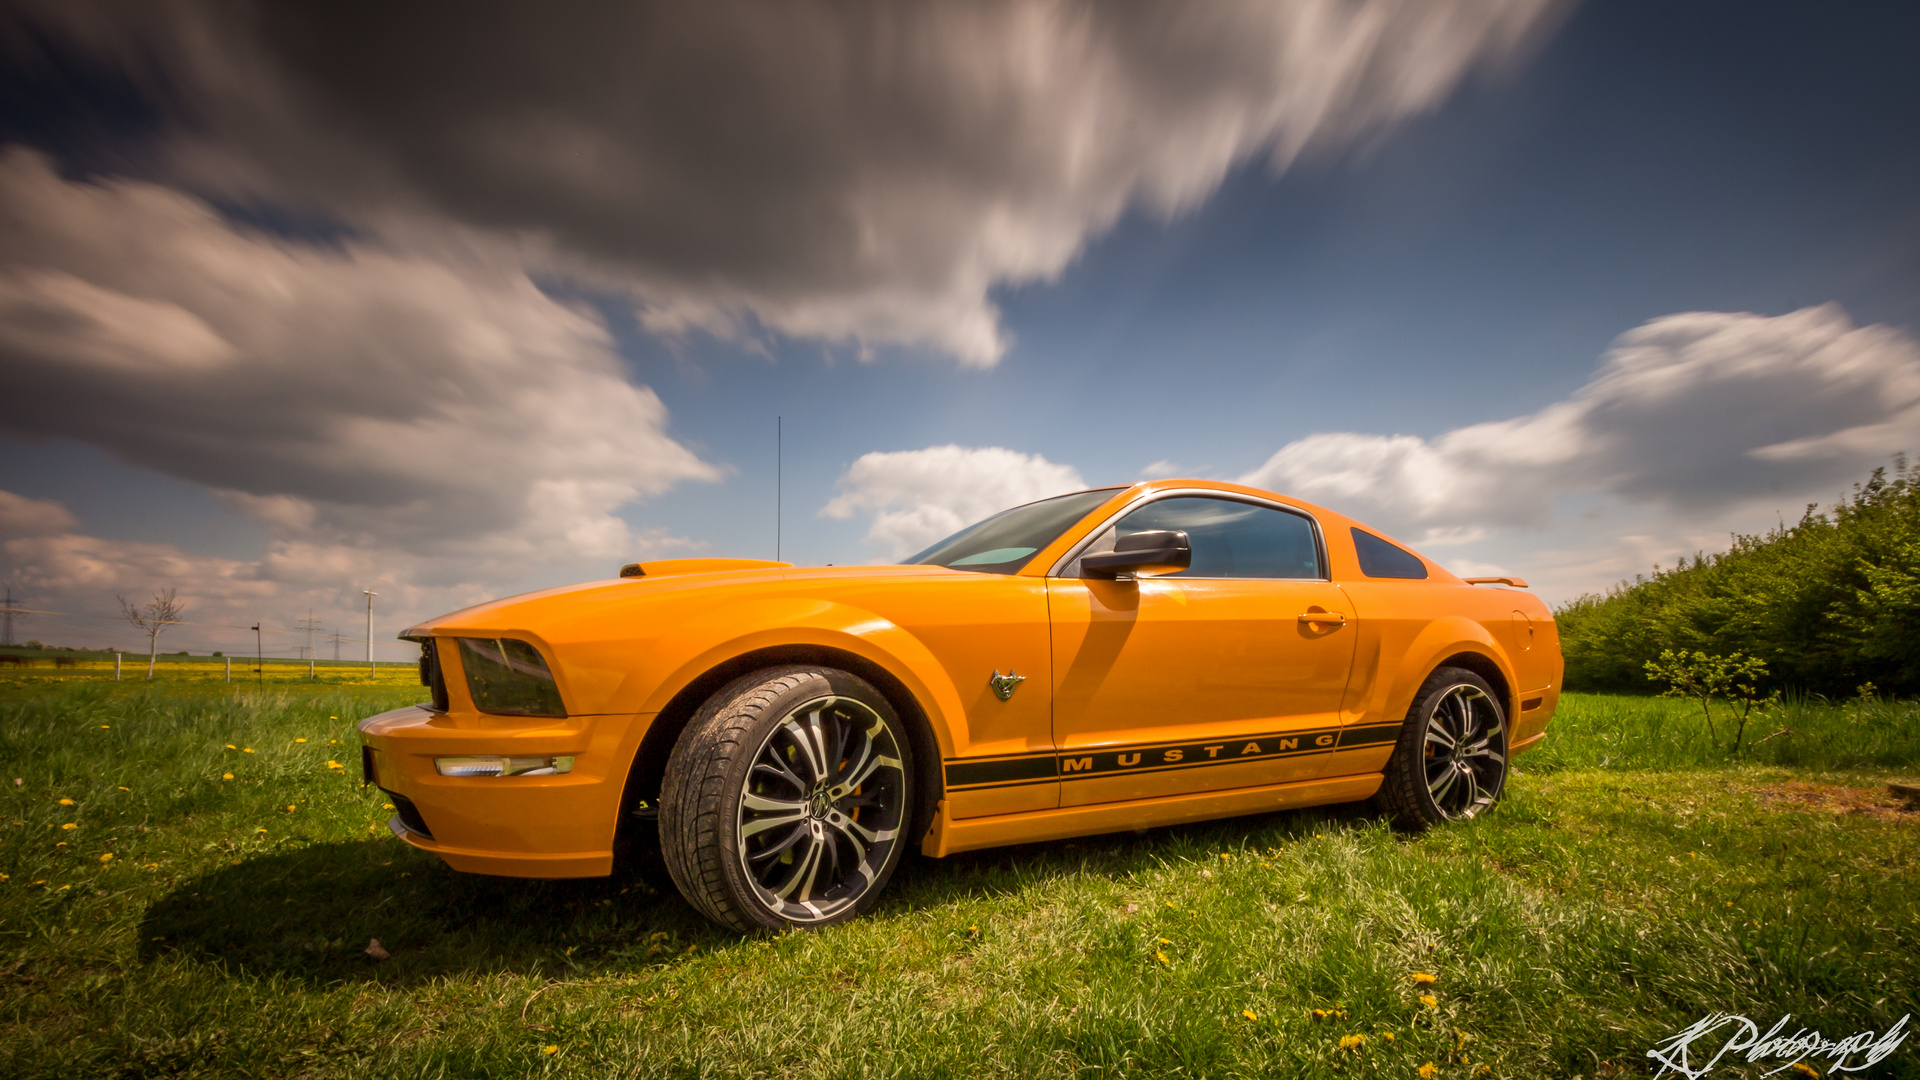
point(229, 669)
point(116, 665)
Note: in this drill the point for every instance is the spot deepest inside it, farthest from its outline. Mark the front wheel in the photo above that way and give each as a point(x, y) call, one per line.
point(786, 800)
point(1451, 761)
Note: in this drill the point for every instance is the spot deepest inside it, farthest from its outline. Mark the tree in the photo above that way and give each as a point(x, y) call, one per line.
point(1703, 677)
point(153, 617)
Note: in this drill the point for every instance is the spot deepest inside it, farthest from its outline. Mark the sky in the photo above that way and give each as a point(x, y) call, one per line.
point(458, 301)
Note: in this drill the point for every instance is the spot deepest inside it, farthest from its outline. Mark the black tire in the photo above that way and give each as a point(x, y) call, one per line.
point(1451, 761)
point(786, 800)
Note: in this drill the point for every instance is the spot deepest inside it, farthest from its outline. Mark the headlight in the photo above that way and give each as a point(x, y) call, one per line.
point(505, 675)
point(488, 765)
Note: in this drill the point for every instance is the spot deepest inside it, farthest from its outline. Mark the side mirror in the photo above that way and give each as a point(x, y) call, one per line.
point(1160, 551)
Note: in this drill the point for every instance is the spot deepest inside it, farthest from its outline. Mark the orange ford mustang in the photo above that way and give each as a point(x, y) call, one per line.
point(1112, 659)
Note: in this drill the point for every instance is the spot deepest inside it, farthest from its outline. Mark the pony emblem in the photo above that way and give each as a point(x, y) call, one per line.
point(1005, 685)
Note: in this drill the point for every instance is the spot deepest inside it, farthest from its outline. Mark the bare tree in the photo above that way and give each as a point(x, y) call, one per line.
point(153, 617)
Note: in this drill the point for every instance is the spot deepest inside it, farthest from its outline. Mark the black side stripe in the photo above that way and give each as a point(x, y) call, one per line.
point(974, 773)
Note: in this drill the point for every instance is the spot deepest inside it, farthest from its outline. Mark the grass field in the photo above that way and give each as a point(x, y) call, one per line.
point(174, 670)
point(1633, 881)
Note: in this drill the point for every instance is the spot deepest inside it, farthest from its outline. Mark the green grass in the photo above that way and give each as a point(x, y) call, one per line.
point(1632, 882)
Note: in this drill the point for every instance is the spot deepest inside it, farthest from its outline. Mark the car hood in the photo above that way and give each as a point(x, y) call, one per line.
point(530, 611)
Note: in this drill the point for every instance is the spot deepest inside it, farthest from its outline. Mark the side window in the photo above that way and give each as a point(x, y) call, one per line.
point(1381, 559)
point(1230, 539)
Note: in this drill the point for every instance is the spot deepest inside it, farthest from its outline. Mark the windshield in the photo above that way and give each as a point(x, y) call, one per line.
point(1003, 543)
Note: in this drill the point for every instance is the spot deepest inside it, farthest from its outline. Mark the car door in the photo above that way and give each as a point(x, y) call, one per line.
point(1228, 674)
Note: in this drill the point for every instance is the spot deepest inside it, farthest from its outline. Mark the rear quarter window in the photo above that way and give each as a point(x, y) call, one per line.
point(1380, 559)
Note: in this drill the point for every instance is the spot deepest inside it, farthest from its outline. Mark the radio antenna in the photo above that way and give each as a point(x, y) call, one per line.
point(779, 478)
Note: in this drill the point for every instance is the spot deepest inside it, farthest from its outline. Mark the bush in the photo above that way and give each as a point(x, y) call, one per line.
point(1828, 603)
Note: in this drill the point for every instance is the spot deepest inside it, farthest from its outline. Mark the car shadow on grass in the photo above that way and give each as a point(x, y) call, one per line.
point(1018, 868)
point(310, 912)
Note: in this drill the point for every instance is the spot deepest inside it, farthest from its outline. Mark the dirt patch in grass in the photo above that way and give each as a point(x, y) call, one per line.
point(1874, 802)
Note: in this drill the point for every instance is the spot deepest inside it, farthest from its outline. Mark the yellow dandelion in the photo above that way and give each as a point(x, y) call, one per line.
point(299, 740)
point(105, 727)
point(107, 858)
point(1427, 1071)
point(1249, 1014)
point(1487, 1070)
point(69, 825)
point(42, 881)
point(226, 776)
point(1164, 941)
point(230, 746)
point(333, 718)
point(62, 843)
point(3, 877)
point(63, 888)
point(289, 808)
point(1387, 1035)
point(1429, 1001)
point(246, 750)
point(125, 788)
point(1160, 956)
point(386, 806)
point(66, 802)
point(151, 866)
point(1422, 977)
point(1226, 855)
point(1800, 1067)
point(550, 1048)
point(1352, 1042)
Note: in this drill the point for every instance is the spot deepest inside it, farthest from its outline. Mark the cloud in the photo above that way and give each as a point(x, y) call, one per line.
point(1689, 414)
point(919, 496)
point(864, 173)
point(343, 394)
point(21, 516)
point(51, 564)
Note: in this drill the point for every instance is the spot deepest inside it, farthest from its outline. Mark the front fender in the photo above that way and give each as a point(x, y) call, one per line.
point(713, 639)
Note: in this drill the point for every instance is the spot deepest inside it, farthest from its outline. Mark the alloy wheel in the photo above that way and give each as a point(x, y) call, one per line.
point(1465, 752)
point(821, 809)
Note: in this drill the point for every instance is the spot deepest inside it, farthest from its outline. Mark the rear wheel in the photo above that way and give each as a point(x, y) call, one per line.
point(1451, 761)
point(786, 800)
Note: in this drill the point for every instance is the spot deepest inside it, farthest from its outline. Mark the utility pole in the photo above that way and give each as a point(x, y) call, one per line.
point(7, 639)
point(309, 626)
point(259, 658)
point(336, 646)
point(370, 595)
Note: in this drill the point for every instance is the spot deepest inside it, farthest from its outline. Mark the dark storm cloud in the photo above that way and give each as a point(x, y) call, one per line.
point(862, 172)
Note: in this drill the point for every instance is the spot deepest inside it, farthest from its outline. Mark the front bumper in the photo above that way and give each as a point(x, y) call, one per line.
point(515, 826)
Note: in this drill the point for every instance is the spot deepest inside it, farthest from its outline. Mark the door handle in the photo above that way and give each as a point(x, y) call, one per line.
point(1324, 617)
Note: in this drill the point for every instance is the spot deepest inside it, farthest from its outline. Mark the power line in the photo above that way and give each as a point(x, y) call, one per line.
point(189, 622)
